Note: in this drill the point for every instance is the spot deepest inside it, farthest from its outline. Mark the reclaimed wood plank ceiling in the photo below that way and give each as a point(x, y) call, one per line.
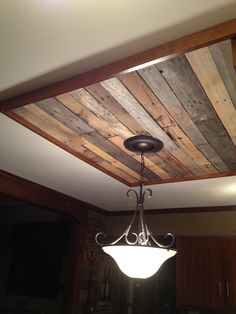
point(188, 102)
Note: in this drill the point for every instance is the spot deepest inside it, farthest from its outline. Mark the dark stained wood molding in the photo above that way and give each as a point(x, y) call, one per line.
point(27, 191)
point(233, 42)
point(204, 177)
point(30, 192)
point(185, 44)
point(186, 210)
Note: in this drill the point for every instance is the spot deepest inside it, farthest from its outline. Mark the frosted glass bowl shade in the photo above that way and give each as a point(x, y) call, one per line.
point(138, 261)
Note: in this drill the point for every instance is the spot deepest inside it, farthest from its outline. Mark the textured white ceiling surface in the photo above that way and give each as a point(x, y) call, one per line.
point(49, 40)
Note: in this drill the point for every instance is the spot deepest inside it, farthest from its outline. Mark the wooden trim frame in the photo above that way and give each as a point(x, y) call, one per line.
point(188, 43)
point(30, 192)
point(184, 210)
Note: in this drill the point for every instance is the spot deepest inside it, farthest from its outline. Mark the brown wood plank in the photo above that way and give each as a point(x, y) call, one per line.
point(101, 112)
point(80, 152)
point(134, 108)
point(104, 144)
point(90, 118)
point(127, 100)
point(188, 43)
point(141, 91)
point(107, 157)
point(146, 97)
point(148, 163)
point(109, 102)
point(204, 67)
point(162, 90)
point(191, 150)
point(181, 78)
point(50, 125)
point(223, 58)
point(64, 115)
point(173, 159)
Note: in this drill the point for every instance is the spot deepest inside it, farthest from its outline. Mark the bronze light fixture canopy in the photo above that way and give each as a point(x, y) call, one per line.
point(142, 257)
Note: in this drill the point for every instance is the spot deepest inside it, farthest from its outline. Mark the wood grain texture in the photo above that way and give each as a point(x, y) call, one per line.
point(164, 93)
point(64, 115)
point(106, 100)
point(102, 126)
point(188, 43)
point(133, 107)
point(223, 58)
point(146, 97)
point(204, 67)
point(180, 77)
point(101, 112)
point(107, 157)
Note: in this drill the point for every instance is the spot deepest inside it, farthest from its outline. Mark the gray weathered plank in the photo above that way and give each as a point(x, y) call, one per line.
point(100, 111)
point(109, 102)
point(64, 115)
point(183, 81)
point(126, 99)
point(222, 55)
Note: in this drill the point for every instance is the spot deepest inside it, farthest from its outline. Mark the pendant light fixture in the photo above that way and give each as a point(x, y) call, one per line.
point(144, 255)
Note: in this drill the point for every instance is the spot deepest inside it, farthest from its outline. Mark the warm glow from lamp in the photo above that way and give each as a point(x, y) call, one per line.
point(138, 261)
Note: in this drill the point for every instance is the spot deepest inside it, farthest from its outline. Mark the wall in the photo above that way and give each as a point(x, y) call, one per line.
point(181, 224)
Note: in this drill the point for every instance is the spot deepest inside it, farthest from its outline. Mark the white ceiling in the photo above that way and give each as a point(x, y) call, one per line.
point(48, 40)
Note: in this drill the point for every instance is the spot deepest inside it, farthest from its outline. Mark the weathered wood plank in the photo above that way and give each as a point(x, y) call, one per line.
point(107, 157)
point(221, 142)
point(173, 159)
point(181, 78)
point(222, 55)
point(64, 115)
point(163, 164)
point(146, 97)
point(141, 91)
point(90, 118)
point(191, 150)
point(126, 99)
point(148, 163)
point(162, 90)
point(109, 102)
point(104, 144)
point(204, 67)
point(50, 125)
point(100, 111)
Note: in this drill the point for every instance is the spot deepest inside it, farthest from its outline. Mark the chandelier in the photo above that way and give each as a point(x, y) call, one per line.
point(142, 256)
